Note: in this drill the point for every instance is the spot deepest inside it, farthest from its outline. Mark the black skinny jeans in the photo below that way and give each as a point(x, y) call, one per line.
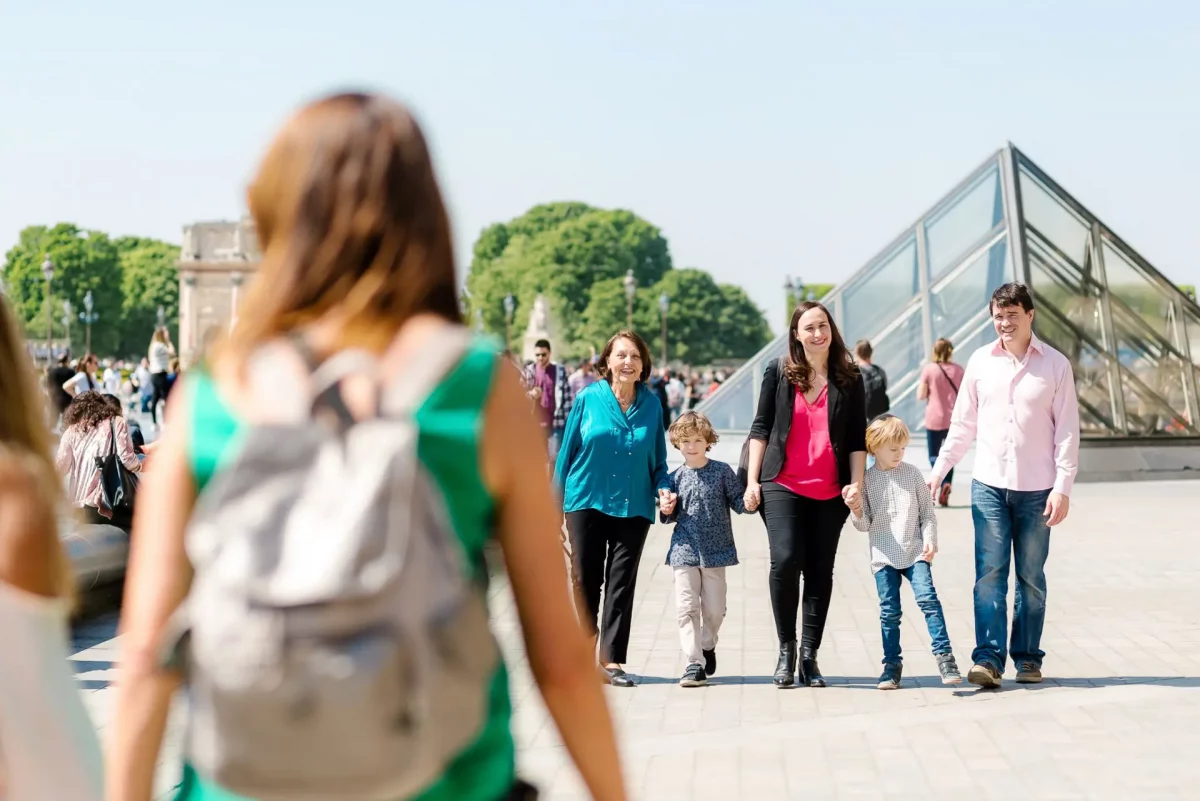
point(803, 535)
point(159, 382)
point(607, 551)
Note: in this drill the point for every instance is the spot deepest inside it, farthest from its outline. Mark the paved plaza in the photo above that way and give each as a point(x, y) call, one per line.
point(1117, 718)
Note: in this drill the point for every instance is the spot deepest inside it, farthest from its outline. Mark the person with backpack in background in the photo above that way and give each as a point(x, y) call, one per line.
point(874, 381)
point(309, 555)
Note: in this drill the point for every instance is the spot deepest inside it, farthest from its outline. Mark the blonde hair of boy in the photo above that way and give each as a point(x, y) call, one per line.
point(692, 424)
point(887, 430)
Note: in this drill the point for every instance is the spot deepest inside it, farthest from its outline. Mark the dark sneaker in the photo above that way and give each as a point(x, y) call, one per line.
point(710, 661)
point(693, 677)
point(890, 679)
point(1029, 673)
point(949, 669)
point(984, 675)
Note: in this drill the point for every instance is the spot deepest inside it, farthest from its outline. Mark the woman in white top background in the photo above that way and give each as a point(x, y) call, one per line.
point(161, 353)
point(48, 746)
point(85, 379)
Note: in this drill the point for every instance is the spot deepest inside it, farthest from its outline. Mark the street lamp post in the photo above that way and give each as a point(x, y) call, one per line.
point(630, 284)
point(510, 305)
point(67, 311)
point(162, 317)
point(48, 272)
point(87, 317)
point(664, 303)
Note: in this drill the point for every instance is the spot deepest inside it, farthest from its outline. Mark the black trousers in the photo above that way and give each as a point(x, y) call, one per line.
point(159, 382)
point(803, 536)
point(607, 551)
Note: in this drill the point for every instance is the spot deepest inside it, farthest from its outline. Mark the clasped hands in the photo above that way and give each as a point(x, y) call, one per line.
point(666, 501)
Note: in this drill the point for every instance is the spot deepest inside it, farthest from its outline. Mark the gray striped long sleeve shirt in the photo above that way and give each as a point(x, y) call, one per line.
point(897, 511)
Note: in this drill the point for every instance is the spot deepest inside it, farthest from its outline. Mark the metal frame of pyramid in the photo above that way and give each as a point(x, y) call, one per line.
point(1132, 336)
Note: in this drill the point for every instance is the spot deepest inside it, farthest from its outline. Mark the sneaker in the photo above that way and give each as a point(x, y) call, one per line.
point(693, 677)
point(890, 679)
point(984, 675)
point(710, 661)
point(1029, 673)
point(944, 495)
point(949, 669)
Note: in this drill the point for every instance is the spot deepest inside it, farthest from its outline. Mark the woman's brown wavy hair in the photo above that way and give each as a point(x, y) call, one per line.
point(349, 217)
point(842, 370)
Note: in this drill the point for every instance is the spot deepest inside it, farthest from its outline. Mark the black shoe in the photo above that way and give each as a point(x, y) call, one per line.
point(710, 661)
point(693, 676)
point(890, 678)
point(810, 673)
point(949, 669)
point(618, 677)
point(984, 675)
point(785, 671)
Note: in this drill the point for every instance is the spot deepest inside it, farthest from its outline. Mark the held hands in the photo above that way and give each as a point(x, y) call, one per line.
point(666, 501)
point(853, 498)
point(752, 496)
point(1057, 506)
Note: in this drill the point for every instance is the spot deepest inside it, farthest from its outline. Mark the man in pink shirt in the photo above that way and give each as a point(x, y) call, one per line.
point(1017, 402)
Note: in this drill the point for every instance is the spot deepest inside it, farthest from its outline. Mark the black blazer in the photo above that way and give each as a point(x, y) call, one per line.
point(847, 421)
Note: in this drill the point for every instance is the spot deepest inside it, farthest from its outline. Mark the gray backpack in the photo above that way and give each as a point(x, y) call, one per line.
point(333, 643)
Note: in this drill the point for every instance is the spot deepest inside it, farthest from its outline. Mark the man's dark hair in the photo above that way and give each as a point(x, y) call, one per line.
point(1011, 294)
point(863, 349)
point(543, 343)
point(64, 358)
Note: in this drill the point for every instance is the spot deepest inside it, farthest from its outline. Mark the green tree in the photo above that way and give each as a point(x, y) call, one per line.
point(149, 279)
point(83, 261)
point(560, 250)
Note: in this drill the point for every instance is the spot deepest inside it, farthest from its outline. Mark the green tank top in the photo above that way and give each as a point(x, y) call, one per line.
point(450, 423)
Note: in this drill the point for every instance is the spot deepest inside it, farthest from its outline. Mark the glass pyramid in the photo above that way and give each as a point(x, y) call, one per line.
point(1132, 335)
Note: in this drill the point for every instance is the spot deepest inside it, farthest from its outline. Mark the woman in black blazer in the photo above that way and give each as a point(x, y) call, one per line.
point(807, 451)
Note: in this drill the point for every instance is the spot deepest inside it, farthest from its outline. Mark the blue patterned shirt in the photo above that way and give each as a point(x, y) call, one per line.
point(703, 535)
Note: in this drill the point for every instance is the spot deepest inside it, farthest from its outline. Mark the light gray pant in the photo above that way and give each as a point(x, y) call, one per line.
point(700, 600)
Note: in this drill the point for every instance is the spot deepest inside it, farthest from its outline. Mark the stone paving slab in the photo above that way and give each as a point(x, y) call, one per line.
point(1118, 717)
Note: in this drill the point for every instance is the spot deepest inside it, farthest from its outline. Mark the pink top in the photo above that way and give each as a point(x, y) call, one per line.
point(809, 468)
point(942, 382)
point(1023, 416)
point(76, 460)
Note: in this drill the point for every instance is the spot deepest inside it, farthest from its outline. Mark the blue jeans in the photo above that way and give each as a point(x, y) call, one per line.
point(933, 443)
point(1009, 524)
point(920, 576)
point(555, 443)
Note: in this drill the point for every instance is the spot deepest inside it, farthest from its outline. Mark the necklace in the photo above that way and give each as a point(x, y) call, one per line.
point(624, 404)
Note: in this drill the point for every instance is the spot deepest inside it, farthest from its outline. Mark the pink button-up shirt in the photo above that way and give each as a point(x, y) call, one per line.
point(1024, 417)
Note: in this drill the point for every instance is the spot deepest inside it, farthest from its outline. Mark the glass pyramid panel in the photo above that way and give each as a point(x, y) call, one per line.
point(1052, 219)
point(1063, 285)
point(733, 406)
point(965, 221)
point(1137, 291)
point(1191, 325)
point(871, 303)
point(959, 298)
point(1148, 415)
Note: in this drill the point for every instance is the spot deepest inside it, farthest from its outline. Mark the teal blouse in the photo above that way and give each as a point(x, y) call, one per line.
point(612, 461)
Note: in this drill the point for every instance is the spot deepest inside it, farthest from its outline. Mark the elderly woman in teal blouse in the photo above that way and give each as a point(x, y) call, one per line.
point(612, 462)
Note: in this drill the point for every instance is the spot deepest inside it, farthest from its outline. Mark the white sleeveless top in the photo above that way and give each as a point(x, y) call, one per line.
point(48, 745)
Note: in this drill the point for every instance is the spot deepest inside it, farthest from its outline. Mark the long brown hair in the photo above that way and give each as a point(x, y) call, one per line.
point(349, 217)
point(24, 435)
point(842, 370)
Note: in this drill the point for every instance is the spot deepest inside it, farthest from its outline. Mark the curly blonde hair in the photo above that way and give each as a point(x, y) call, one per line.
point(692, 424)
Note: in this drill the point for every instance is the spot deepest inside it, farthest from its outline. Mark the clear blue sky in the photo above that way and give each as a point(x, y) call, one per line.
point(764, 138)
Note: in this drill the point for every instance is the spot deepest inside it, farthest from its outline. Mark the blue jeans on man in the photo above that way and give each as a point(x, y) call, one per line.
point(920, 576)
point(1009, 526)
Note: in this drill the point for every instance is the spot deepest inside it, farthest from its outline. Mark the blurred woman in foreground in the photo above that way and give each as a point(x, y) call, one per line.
point(357, 256)
point(48, 747)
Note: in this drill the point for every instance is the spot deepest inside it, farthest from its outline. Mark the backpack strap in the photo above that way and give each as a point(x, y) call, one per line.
point(439, 355)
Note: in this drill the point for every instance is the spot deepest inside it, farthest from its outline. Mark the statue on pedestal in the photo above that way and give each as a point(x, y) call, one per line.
point(541, 326)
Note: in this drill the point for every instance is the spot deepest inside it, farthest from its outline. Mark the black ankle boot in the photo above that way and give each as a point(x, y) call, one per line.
point(785, 671)
point(810, 673)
